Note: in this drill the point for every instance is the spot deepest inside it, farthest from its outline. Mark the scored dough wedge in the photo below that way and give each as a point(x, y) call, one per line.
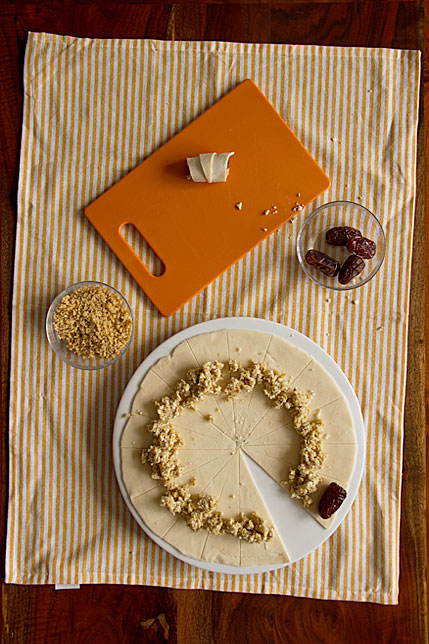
point(225, 548)
point(250, 500)
point(339, 462)
point(209, 347)
point(192, 543)
point(243, 347)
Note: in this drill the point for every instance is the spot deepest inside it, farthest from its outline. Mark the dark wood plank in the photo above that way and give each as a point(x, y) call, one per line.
point(36, 615)
point(360, 24)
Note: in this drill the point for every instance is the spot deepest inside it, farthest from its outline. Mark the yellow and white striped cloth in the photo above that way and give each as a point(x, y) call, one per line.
point(93, 109)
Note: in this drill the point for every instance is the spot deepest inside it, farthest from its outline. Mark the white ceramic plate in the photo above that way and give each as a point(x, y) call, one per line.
point(300, 532)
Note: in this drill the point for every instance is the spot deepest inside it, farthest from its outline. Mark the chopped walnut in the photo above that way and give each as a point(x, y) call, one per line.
point(199, 510)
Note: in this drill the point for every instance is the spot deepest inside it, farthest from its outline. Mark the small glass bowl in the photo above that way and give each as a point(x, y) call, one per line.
point(330, 215)
point(60, 346)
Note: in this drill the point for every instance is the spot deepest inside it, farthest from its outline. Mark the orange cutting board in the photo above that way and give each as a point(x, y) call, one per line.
point(195, 228)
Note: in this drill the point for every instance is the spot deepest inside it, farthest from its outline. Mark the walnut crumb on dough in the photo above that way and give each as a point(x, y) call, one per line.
point(199, 510)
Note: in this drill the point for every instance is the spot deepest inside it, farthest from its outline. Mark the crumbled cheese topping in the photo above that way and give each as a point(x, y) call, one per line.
point(199, 510)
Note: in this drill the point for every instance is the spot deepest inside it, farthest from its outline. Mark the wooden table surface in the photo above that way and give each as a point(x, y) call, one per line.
point(128, 614)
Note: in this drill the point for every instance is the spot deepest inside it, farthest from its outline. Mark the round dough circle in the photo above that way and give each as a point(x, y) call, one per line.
point(219, 431)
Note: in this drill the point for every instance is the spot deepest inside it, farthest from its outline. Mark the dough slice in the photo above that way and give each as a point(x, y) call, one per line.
point(196, 169)
point(152, 388)
point(339, 427)
point(250, 500)
point(210, 347)
point(243, 347)
point(338, 465)
point(258, 407)
point(194, 544)
point(173, 368)
point(284, 357)
point(286, 453)
point(202, 423)
point(280, 356)
point(147, 500)
point(135, 474)
point(220, 166)
point(224, 548)
point(192, 459)
point(210, 440)
point(340, 461)
point(156, 517)
point(277, 468)
point(206, 161)
point(135, 433)
point(283, 435)
point(273, 420)
point(204, 474)
point(315, 378)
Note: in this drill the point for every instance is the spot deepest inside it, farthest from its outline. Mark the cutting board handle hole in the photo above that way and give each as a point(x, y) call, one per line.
point(150, 259)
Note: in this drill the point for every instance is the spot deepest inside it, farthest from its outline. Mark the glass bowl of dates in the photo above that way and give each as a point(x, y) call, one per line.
point(341, 245)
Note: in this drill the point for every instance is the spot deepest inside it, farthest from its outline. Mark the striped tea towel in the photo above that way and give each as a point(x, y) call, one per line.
point(93, 109)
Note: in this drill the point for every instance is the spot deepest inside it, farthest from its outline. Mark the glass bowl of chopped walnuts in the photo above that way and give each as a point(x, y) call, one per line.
point(341, 245)
point(89, 325)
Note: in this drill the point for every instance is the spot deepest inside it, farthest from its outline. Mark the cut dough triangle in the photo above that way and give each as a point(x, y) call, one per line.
point(338, 422)
point(135, 474)
point(210, 347)
point(157, 518)
point(225, 548)
point(192, 459)
point(243, 347)
point(250, 500)
point(274, 419)
point(152, 388)
point(282, 356)
point(284, 435)
point(277, 468)
point(206, 161)
point(174, 367)
point(211, 439)
point(201, 543)
point(316, 379)
point(286, 453)
point(135, 433)
point(339, 463)
point(220, 166)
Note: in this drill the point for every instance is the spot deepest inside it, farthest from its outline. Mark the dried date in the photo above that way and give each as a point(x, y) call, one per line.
point(362, 246)
point(340, 235)
point(322, 262)
point(331, 500)
point(350, 269)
